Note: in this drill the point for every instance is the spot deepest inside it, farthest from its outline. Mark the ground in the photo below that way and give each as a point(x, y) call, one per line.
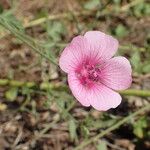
point(52, 119)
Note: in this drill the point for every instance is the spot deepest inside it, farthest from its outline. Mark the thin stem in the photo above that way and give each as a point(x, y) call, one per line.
point(26, 39)
point(115, 126)
point(134, 92)
point(77, 14)
point(47, 128)
point(59, 86)
point(57, 16)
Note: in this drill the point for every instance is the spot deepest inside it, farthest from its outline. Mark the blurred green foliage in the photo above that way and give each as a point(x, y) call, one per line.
point(91, 4)
point(139, 65)
point(140, 127)
point(102, 145)
point(11, 94)
point(121, 31)
point(141, 9)
point(72, 130)
point(55, 30)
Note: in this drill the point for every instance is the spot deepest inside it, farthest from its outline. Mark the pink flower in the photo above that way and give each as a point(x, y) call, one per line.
point(93, 76)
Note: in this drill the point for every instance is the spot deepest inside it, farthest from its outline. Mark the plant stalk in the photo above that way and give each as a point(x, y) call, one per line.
point(110, 129)
point(61, 87)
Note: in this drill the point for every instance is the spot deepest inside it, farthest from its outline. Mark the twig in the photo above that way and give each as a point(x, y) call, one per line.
point(115, 126)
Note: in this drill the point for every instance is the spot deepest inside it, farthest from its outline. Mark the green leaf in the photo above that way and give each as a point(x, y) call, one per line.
point(55, 30)
point(85, 131)
point(91, 4)
point(138, 9)
point(146, 68)
point(121, 31)
point(72, 129)
point(15, 23)
point(140, 126)
point(147, 9)
point(11, 94)
point(138, 132)
point(136, 62)
point(25, 90)
point(102, 145)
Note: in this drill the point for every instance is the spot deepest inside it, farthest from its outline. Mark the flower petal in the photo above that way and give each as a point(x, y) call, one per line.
point(102, 98)
point(106, 45)
point(72, 54)
point(116, 73)
point(99, 96)
point(78, 90)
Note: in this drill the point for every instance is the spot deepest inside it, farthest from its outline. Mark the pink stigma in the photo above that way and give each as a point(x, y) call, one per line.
point(88, 74)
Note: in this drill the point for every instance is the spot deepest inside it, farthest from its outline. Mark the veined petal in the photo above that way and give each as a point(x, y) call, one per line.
point(73, 54)
point(78, 90)
point(105, 45)
point(94, 45)
point(99, 96)
point(116, 73)
point(103, 98)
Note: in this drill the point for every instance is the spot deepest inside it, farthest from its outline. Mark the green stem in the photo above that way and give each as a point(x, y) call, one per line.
point(35, 45)
point(115, 126)
point(84, 13)
point(59, 86)
point(142, 93)
point(77, 14)
point(15, 83)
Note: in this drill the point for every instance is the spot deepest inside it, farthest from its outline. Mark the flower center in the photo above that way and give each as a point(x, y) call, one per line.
point(88, 74)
